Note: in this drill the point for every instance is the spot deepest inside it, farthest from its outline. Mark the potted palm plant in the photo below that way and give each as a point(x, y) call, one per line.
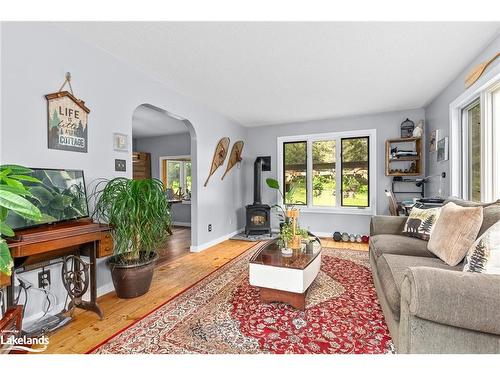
point(13, 198)
point(138, 212)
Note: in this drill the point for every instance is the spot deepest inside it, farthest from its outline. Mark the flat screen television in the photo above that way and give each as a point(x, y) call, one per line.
point(61, 196)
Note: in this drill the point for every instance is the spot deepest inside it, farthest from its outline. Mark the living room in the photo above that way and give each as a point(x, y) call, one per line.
point(250, 187)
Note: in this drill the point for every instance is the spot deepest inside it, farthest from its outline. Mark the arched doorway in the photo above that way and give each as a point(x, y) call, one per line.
point(166, 144)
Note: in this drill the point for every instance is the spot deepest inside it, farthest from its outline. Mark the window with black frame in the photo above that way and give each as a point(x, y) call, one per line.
point(295, 172)
point(355, 163)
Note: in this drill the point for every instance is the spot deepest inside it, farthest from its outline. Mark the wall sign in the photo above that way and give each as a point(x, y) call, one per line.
point(67, 122)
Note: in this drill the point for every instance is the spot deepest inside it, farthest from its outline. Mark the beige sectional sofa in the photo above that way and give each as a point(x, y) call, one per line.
point(429, 306)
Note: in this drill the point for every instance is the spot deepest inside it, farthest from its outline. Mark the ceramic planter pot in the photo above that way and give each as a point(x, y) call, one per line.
point(132, 280)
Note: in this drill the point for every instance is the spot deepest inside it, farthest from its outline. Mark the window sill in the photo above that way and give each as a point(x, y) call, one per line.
point(338, 211)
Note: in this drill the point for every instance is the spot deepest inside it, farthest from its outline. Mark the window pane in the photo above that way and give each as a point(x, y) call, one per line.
point(174, 176)
point(474, 124)
point(323, 154)
point(355, 172)
point(294, 172)
point(187, 177)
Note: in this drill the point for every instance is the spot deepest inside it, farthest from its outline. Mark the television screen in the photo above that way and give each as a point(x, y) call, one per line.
point(60, 196)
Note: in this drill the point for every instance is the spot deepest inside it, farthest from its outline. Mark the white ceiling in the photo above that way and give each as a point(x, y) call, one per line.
point(267, 73)
point(148, 121)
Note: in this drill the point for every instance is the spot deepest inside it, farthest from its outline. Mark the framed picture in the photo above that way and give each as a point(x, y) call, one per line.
point(433, 140)
point(67, 122)
point(442, 149)
point(120, 142)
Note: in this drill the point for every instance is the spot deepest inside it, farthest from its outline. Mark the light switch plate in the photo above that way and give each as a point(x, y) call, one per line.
point(120, 165)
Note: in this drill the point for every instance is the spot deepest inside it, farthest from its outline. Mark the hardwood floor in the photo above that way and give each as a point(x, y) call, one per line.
point(177, 245)
point(182, 270)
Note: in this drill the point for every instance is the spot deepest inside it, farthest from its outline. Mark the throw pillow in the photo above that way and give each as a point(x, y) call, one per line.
point(484, 254)
point(455, 232)
point(421, 222)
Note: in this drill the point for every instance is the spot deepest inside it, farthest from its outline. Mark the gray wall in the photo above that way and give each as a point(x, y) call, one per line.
point(262, 142)
point(167, 145)
point(438, 116)
point(112, 90)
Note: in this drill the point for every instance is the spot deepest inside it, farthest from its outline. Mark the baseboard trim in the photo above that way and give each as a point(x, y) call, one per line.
point(105, 289)
point(181, 224)
point(322, 234)
point(206, 245)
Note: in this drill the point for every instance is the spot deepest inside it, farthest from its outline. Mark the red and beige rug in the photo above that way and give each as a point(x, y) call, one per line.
point(222, 314)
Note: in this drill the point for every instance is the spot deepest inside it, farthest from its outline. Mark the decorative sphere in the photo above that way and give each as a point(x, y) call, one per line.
point(365, 239)
point(352, 238)
point(345, 237)
point(337, 236)
point(358, 238)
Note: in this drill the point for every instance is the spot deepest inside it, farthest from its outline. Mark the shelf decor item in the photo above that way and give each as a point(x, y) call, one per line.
point(365, 239)
point(419, 129)
point(219, 156)
point(407, 127)
point(337, 236)
point(345, 237)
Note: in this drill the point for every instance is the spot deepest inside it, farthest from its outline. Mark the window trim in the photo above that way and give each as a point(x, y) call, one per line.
point(342, 171)
point(372, 164)
point(490, 173)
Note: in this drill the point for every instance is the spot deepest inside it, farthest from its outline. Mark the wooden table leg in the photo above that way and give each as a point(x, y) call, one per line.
point(296, 300)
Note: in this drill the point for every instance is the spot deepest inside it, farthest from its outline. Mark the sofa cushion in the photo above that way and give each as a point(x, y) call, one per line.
point(491, 211)
point(421, 222)
point(391, 270)
point(398, 244)
point(491, 215)
point(455, 231)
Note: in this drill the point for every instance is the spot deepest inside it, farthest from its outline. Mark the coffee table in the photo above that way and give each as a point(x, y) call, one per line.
point(281, 278)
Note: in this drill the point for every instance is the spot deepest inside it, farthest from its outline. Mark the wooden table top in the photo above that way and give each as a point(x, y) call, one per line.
point(269, 254)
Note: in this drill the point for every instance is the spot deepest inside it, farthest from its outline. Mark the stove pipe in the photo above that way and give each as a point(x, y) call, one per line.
point(257, 181)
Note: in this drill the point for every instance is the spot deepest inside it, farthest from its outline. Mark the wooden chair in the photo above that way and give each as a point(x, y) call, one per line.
point(395, 209)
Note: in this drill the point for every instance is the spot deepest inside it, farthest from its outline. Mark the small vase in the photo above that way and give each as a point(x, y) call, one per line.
point(310, 247)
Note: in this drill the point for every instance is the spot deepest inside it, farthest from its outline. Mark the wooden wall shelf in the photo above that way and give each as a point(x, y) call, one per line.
point(397, 166)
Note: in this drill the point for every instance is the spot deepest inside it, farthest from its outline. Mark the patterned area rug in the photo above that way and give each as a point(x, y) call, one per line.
point(222, 314)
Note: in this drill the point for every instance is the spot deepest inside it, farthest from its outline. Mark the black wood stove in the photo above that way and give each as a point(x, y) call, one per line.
point(258, 215)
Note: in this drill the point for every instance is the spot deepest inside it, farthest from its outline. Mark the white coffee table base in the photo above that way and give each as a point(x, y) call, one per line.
point(280, 284)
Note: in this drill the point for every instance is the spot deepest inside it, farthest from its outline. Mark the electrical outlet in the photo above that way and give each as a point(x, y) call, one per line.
point(43, 278)
point(209, 227)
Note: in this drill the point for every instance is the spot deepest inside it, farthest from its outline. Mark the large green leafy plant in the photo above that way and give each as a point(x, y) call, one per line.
point(138, 211)
point(13, 198)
